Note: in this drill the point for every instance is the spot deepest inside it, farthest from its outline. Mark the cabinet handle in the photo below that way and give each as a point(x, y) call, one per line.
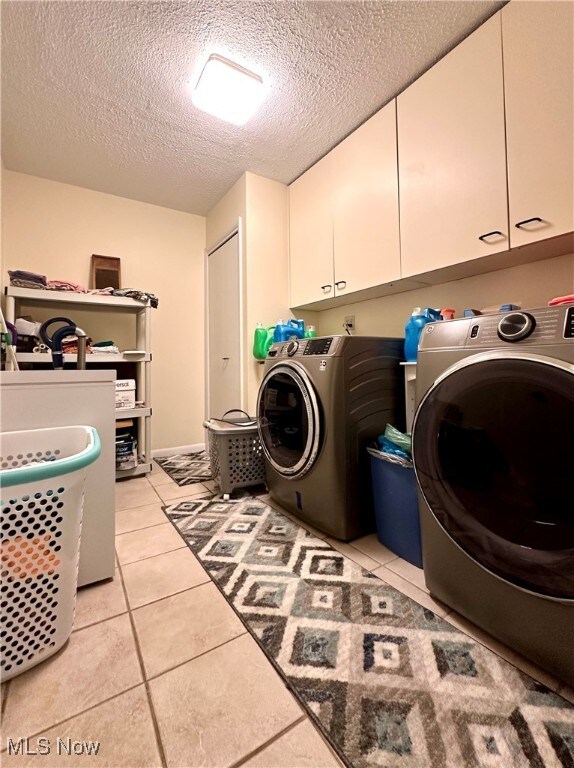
point(326, 288)
point(529, 221)
point(490, 234)
point(340, 284)
point(225, 358)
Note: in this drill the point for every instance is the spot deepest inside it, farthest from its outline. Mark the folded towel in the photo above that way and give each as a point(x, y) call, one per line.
point(29, 277)
point(65, 285)
point(18, 282)
point(110, 350)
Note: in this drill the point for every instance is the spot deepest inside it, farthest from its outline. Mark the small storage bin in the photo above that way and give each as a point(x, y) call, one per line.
point(125, 393)
point(41, 500)
point(235, 452)
point(396, 507)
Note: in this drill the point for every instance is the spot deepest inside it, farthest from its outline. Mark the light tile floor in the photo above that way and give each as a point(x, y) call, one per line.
point(160, 670)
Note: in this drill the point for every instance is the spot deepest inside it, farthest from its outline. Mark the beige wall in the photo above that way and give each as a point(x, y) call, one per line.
point(267, 236)
point(263, 206)
point(54, 228)
point(223, 217)
point(3, 275)
point(267, 274)
point(530, 285)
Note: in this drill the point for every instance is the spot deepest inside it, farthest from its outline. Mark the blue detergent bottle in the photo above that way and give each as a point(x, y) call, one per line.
point(414, 328)
point(292, 329)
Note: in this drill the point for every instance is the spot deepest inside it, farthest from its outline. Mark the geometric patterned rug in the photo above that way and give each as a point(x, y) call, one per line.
point(187, 468)
point(388, 682)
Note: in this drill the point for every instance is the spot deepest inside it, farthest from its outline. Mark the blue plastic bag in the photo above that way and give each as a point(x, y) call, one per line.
point(387, 446)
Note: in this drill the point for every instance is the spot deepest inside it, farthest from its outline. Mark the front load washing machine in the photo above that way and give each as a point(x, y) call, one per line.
point(321, 403)
point(492, 449)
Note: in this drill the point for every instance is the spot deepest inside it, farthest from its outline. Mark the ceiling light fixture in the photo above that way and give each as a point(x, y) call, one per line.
point(228, 90)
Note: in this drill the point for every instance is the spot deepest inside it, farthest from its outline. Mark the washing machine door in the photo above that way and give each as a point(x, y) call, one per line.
point(492, 449)
point(289, 420)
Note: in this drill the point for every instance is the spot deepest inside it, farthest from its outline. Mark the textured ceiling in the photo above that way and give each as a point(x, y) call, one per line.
point(94, 93)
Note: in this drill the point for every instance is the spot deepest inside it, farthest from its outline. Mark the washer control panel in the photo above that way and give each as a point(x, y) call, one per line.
point(322, 346)
point(318, 346)
point(569, 324)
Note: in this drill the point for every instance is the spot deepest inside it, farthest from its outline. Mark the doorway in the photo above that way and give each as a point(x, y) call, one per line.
point(224, 322)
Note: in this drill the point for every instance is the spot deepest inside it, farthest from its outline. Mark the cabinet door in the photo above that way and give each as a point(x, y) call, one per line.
point(366, 205)
point(311, 235)
point(452, 160)
point(537, 39)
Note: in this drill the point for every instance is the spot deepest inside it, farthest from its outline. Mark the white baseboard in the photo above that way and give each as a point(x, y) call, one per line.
point(178, 449)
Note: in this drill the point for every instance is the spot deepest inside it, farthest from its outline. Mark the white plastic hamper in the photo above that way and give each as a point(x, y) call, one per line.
point(235, 453)
point(41, 499)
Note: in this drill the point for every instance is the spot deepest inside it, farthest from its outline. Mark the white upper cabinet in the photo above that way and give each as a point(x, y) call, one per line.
point(537, 39)
point(452, 161)
point(344, 216)
point(366, 205)
point(311, 235)
point(485, 145)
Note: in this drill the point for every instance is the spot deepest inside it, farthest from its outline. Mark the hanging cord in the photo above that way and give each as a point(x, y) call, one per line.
point(347, 328)
point(249, 420)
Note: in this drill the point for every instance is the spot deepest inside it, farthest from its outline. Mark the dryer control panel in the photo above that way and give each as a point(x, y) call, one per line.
point(547, 325)
point(517, 327)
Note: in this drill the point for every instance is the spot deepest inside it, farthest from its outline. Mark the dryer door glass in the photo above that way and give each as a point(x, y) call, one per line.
point(493, 453)
point(289, 420)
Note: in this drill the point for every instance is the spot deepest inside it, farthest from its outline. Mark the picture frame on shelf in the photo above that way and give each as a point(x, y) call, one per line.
point(105, 272)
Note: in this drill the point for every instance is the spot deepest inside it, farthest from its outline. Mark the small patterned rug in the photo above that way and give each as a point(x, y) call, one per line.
point(187, 468)
point(390, 684)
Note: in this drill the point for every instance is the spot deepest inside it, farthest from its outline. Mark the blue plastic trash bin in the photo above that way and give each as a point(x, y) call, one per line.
point(396, 507)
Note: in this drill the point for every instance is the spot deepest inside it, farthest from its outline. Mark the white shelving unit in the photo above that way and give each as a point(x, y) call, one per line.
point(140, 357)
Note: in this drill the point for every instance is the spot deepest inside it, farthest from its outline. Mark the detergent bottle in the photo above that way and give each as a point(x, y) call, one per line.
point(292, 329)
point(432, 315)
point(269, 339)
point(278, 332)
point(310, 332)
point(414, 328)
point(300, 326)
point(259, 342)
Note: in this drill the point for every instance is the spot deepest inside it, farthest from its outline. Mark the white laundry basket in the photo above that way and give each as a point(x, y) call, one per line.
point(42, 492)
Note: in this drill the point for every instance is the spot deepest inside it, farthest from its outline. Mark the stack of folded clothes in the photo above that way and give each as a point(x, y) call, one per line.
point(66, 285)
point(105, 348)
point(22, 279)
point(70, 345)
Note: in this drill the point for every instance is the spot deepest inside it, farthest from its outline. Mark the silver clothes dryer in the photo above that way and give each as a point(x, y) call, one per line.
point(493, 452)
point(321, 403)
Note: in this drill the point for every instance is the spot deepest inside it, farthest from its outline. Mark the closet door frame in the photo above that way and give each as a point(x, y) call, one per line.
point(238, 231)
